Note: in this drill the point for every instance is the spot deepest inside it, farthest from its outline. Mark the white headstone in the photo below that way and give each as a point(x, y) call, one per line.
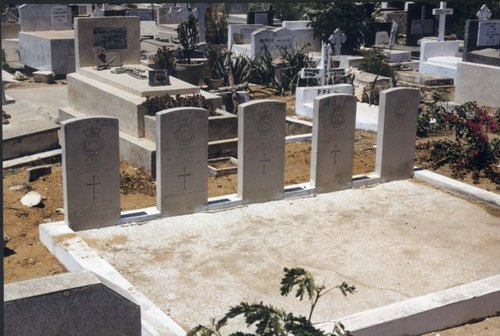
point(91, 172)
point(396, 136)
point(337, 39)
point(261, 150)
point(334, 124)
point(182, 160)
point(274, 39)
point(488, 33)
point(442, 11)
point(394, 34)
point(484, 13)
point(120, 34)
point(43, 17)
point(323, 72)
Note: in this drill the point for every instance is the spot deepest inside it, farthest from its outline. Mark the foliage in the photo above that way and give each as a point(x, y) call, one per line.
point(261, 70)
point(188, 34)
point(239, 67)
point(431, 117)
point(164, 58)
point(217, 63)
point(471, 151)
point(355, 21)
point(3, 59)
point(375, 61)
point(295, 60)
point(466, 10)
point(272, 321)
point(156, 104)
point(216, 26)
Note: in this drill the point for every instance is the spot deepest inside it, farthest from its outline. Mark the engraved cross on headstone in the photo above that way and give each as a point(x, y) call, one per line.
point(394, 34)
point(334, 152)
point(184, 175)
point(337, 39)
point(484, 13)
point(263, 161)
point(93, 184)
point(323, 71)
point(442, 11)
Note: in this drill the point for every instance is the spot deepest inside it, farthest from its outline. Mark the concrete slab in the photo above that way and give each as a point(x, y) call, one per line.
point(394, 241)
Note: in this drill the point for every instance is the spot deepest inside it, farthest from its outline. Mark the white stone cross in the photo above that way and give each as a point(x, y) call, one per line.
point(442, 11)
point(484, 13)
point(323, 71)
point(394, 34)
point(337, 39)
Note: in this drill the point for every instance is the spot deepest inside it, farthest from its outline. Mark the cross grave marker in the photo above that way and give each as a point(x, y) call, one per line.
point(332, 147)
point(323, 72)
point(484, 13)
point(394, 34)
point(91, 173)
point(337, 39)
point(442, 11)
point(181, 160)
point(261, 150)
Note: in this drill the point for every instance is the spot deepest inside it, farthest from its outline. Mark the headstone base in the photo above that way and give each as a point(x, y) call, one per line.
point(304, 96)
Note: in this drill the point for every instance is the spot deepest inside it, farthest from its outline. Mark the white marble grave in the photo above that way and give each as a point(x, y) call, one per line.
point(439, 58)
point(261, 150)
point(332, 149)
point(181, 160)
point(91, 172)
point(396, 135)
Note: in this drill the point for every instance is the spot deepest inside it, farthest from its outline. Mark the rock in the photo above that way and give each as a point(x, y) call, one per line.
point(31, 199)
point(17, 187)
point(20, 76)
point(6, 239)
point(59, 211)
point(35, 172)
point(43, 77)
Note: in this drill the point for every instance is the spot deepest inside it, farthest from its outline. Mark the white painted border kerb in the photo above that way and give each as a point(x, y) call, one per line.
point(76, 255)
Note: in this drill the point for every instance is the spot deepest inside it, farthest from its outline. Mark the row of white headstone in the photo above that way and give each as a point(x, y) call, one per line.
point(91, 175)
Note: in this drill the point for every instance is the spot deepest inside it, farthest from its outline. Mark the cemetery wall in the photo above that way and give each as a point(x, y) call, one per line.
point(477, 82)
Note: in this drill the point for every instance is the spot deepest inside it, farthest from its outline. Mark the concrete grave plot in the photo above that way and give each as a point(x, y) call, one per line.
point(395, 241)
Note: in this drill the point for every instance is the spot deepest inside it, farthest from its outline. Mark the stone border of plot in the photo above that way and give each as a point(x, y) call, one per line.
point(54, 154)
point(439, 310)
point(76, 255)
point(457, 187)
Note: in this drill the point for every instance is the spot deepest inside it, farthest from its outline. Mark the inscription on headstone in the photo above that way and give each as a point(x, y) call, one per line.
point(182, 160)
point(261, 150)
point(334, 122)
point(110, 38)
point(396, 136)
point(60, 17)
point(488, 33)
point(91, 176)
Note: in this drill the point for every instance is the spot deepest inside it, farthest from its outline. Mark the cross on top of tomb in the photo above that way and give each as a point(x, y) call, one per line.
point(323, 71)
point(442, 11)
point(336, 40)
point(484, 13)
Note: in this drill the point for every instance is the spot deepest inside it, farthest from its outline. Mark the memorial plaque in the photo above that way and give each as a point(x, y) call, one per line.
point(158, 77)
point(91, 174)
point(261, 150)
point(488, 34)
point(396, 136)
point(110, 38)
point(182, 160)
point(332, 148)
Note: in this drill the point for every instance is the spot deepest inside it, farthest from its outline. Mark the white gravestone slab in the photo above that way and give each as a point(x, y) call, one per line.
point(182, 160)
point(91, 172)
point(488, 33)
point(334, 124)
point(43, 17)
point(274, 39)
point(61, 18)
point(261, 150)
point(337, 39)
point(121, 35)
point(396, 136)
